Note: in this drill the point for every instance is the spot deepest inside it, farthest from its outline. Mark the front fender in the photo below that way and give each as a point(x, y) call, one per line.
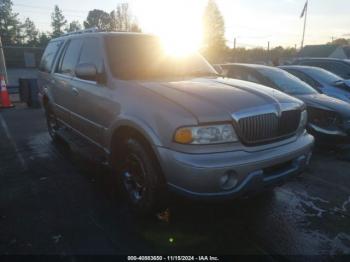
point(139, 125)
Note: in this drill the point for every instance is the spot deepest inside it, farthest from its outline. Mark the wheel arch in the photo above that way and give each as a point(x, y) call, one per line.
point(128, 129)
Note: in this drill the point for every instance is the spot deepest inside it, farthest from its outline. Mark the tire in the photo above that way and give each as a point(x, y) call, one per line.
point(141, 179)
point(52, 123)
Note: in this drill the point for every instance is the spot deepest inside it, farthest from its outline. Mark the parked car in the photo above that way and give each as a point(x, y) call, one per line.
point(218, 68)
point(163, 122)
point(329, 118)
point(340, 67)
point(322, 80)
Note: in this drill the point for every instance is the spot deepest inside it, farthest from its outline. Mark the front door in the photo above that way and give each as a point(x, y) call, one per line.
point(94, 100)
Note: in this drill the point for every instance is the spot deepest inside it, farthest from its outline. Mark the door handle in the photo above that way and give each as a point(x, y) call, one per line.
point(75, 91)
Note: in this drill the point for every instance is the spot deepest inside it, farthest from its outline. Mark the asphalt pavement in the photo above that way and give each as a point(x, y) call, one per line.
point(55, 201)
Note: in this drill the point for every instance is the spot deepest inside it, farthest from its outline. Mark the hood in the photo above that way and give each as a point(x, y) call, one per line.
point(219, 99)
point(327, 103)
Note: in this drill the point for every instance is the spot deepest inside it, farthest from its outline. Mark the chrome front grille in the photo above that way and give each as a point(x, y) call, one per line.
point(268, 127)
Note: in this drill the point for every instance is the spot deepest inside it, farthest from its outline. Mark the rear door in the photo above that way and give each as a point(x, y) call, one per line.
point(45, 68)
point(62, 78)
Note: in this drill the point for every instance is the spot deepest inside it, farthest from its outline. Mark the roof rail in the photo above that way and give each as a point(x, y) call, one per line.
point(84, 31)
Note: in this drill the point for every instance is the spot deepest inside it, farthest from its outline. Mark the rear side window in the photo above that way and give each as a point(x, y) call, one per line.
point(91, 53)
point(340, 69)
point(304, 78)
point(235, 72)
point(334, 67)
point(69, 59)
point(49, 56)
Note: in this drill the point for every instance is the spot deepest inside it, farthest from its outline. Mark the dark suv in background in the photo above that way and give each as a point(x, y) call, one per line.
point(339, 67)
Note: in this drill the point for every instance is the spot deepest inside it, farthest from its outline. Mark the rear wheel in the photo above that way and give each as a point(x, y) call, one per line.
point(52, 123)
point(141, 178)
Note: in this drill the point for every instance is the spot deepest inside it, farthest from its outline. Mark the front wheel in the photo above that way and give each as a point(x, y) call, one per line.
point(141, 178)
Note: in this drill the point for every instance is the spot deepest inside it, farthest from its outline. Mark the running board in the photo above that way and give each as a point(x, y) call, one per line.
point(82, 146)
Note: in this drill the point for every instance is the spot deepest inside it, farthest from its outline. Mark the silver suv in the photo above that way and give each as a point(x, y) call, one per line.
point(164, 122)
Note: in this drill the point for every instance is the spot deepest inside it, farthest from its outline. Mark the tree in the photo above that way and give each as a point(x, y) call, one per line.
point(135, 27)
point(57, 22)
point(340, 41)
point(31, 34)
point(122, 20)
point(213, 31)
point(73, 26)
point(9, 24)
point(98, 18)
point(44, 39)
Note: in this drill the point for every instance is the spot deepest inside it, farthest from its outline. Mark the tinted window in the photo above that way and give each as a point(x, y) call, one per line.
point(244, 74)
point(286, 82)
point(91, 53)
point(142, 57)
point(324, 75)
point(337, 68)
point(302, 76)
point(252, 78)
point(49, 56)
point(340, 69)
point(70, 57)
point(235, 72)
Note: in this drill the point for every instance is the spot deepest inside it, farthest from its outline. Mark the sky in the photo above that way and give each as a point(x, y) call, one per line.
point(253, 23)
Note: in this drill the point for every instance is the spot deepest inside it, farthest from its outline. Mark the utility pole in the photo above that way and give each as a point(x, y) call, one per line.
point(234, 43)
point(2, 62)
point(304, 14)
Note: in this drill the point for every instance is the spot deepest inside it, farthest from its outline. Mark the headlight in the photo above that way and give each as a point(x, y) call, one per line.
point(303, 121)
point(205, 135)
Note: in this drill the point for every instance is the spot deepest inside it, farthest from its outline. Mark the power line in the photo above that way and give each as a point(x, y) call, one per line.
point(47, 8)
point(43, 12)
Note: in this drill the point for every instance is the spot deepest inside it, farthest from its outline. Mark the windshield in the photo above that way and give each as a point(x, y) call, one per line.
point(323, 75)
point(143, 57)
point(286, 82)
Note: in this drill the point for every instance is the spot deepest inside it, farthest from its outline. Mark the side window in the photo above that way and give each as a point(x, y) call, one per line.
point(49, 56)
point(236, 73)
point(91, 53)
point(70, 57)
point(340, 70)
point(252, 78)
point(305, 78)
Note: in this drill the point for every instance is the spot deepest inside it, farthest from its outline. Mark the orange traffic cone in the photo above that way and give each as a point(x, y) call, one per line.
point(4, 95)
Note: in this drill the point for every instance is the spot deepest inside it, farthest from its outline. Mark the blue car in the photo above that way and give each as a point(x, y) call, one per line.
point(322, 80)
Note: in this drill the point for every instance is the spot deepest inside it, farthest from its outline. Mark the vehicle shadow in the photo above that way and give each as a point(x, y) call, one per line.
point(186, 226)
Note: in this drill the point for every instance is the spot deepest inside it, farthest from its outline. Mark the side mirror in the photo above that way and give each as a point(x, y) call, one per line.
point(86, 71)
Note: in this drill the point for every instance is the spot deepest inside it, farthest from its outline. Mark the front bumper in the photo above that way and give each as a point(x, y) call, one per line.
point(233, 174)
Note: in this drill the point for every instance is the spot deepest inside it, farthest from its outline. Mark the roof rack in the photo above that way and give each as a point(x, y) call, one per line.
point(88, 30)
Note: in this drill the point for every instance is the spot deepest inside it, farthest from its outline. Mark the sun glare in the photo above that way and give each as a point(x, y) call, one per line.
point(175, 22)
point(179, 44)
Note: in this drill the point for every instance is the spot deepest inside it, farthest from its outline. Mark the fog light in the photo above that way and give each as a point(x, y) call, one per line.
point(229, 180)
